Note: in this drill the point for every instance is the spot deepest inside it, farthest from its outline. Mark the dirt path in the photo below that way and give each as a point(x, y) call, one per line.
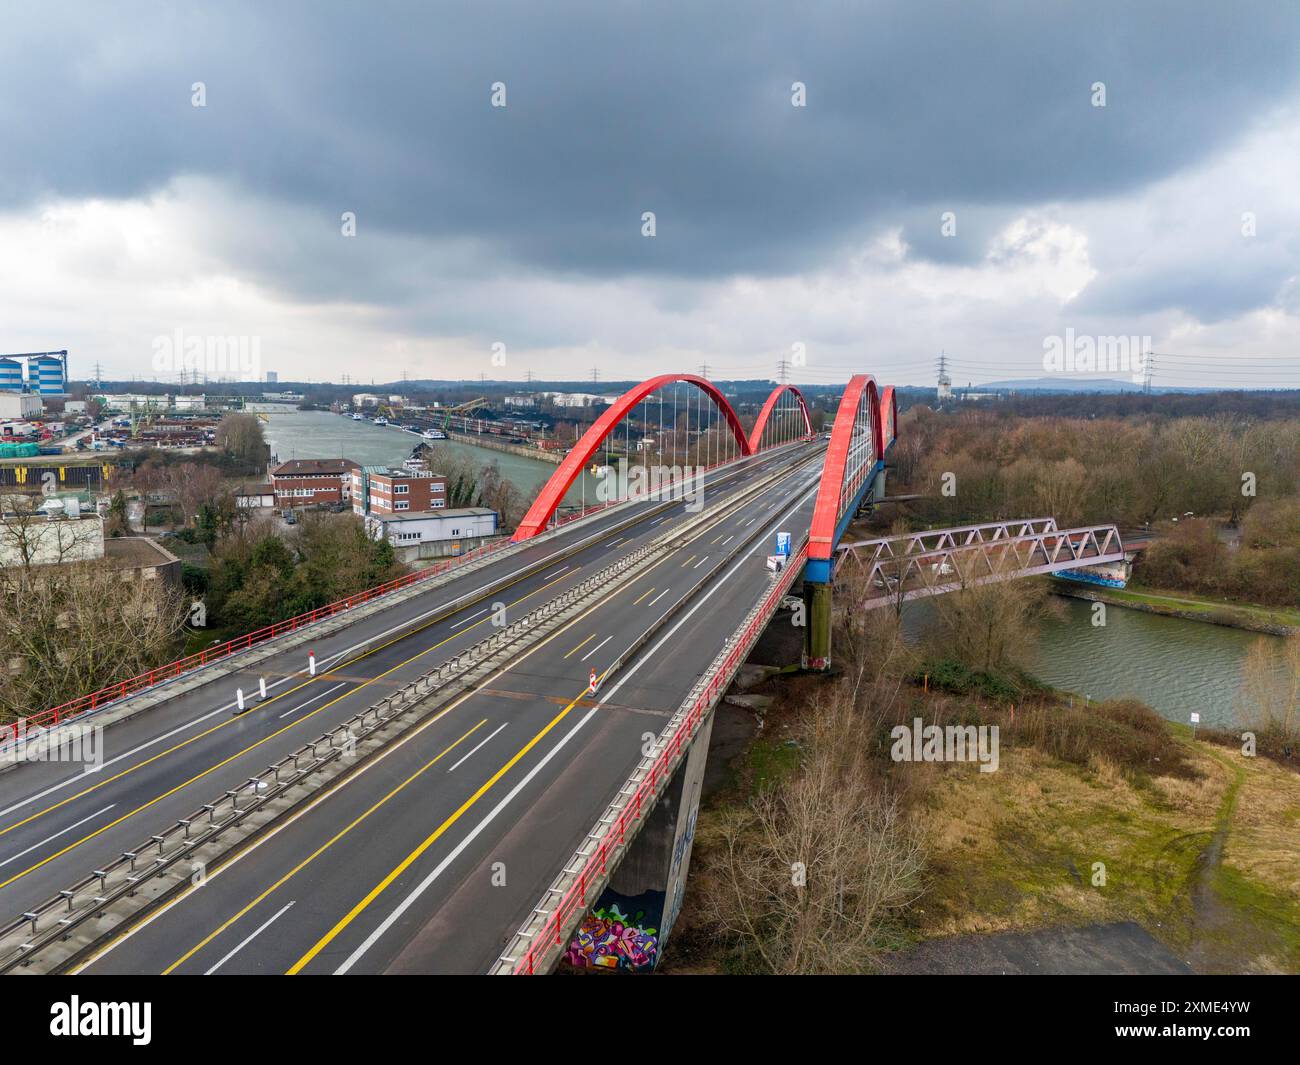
point(1125, 948)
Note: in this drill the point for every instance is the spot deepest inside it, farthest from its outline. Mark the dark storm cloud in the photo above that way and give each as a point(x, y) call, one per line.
point(616, 108)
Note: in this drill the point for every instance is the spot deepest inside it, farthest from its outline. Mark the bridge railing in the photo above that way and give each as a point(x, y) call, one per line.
point(97, 700)
point(594, 871)
point(933, 562)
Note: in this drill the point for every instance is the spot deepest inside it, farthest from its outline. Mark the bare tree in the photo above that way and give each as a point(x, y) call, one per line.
point(71, 629)
point(1269, 696)
point(29, 536)
point(811, 873)
point(191, 485)
point(987, 625)
point(240, 436)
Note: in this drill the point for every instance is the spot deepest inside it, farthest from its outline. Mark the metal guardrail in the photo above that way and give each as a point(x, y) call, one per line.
point(57, 917)
point(134, 685)
point(113, 693)
point(535, 946)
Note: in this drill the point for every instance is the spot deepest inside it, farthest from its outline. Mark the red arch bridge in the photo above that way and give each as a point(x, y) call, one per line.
point(492, 763)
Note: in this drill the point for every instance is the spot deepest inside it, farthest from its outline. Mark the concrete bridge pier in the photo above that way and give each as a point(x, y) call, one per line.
point(627, 929)
point(817, 635)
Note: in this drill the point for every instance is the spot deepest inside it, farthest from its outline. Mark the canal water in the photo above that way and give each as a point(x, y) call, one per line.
point(1176, 667)
point(319, 434)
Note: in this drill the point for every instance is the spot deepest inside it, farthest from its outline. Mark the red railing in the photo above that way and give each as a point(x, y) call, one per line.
point(134, 685)
point(641, 802)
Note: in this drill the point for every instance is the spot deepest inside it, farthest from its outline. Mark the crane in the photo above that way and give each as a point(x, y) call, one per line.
point(462, 410)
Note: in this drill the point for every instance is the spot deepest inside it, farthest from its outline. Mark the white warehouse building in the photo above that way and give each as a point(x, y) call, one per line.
point(434, 533)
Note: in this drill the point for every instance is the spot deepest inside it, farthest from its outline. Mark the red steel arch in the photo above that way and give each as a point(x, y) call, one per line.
point(756, 435)
point(888, 420)
point(574, 462)
point(826, 512)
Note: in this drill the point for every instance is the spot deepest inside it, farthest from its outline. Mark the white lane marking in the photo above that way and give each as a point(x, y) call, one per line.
point(760, 546)
point(728, 539)
point(473, 834)
point(385, 752)
point(61, 832)
point(250, 939)
point(700, 562)
point(596, 648)
point(321, 695)
point(615, 543)
point(471, 617)
point(657, 598)
point(478, 745)
point(556, 573)
point(658, 520)
point(320, 663)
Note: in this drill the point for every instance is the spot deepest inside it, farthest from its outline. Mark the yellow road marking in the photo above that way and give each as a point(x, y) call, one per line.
point(464, 698)
point(688, 562)
point(315, 854)
point(582, 645)
point(432, 838)
point(237, 754)
point(638, 601)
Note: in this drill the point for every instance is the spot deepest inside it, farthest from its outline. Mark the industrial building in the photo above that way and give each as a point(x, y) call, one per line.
point(434, 534)
point(60, 533)
point(19, 406)
point(21, 394)
point(47, 373)
point(126, 401)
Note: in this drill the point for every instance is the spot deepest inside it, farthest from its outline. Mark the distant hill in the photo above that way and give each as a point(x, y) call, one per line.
point(1075, 384)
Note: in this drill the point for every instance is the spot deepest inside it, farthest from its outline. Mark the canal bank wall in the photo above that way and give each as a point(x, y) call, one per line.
point(479, 440)
point(1258, 619)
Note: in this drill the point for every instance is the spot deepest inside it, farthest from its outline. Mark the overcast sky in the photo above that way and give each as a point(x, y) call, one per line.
point(1171, 212)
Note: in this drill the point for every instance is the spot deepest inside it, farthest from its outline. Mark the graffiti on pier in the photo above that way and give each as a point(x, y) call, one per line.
point(609, 939)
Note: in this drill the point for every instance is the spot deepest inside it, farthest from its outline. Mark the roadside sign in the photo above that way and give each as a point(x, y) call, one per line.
point(783, 543)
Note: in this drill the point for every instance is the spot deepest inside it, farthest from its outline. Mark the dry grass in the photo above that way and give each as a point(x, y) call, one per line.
point(1264, 844)
point(1015, 850)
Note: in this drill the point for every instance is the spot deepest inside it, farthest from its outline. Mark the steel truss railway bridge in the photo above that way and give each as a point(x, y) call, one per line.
point(489, 765)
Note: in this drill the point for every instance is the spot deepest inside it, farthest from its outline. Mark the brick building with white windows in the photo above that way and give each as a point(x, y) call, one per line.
point(313, 482)
point(382, 490)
